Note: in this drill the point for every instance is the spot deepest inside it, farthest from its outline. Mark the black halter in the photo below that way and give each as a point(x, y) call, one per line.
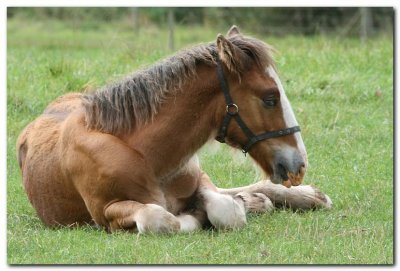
point(232, 111)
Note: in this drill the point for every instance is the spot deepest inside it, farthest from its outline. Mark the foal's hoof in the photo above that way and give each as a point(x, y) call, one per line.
point(256, 202)
point(153, 218)
point(308, 197)
point(323, 200)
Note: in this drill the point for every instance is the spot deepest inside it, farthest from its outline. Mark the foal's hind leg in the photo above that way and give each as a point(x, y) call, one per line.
point(297, 197)
point(147, 218)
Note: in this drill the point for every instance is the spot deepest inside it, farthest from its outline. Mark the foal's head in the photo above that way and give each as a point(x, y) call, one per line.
point(258, 109)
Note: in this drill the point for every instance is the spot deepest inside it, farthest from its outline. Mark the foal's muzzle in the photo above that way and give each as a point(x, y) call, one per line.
point(288, 168)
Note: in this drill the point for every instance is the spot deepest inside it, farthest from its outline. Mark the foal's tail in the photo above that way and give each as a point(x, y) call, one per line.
point(22, 145)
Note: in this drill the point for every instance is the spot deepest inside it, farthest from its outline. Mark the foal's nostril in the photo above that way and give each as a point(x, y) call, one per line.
point(302, 168)
point(282, 171)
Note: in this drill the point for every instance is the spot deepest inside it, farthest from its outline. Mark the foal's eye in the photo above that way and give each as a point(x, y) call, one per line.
point(270, 101)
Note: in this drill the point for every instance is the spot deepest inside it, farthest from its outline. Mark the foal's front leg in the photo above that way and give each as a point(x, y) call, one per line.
point(223, 211)
point(296, 197)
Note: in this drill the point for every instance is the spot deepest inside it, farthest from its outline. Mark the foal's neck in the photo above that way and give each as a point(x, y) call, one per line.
point(184, 123)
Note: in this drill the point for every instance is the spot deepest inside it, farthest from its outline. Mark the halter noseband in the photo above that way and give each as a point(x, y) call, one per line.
point(232, 111)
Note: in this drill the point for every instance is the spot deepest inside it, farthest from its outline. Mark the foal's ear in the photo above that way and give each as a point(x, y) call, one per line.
point(231, 55)
point(234, 30)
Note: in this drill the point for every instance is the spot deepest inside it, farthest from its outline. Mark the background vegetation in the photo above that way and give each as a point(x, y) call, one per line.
point(278, 21)
point(340, 87)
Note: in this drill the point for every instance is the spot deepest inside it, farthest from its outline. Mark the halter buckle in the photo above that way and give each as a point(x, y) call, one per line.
point(232, 109)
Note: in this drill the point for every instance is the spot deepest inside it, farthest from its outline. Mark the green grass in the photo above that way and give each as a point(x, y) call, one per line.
point(347, 129)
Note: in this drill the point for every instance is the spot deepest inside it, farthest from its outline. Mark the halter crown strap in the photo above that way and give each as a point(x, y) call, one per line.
point(232, 111)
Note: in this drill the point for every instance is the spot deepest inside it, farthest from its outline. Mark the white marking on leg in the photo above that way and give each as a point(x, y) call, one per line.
point(188, 223)
point(306, 197)
point(223, 211)
point(153, 218)
point(288, 115)
point(256, 202)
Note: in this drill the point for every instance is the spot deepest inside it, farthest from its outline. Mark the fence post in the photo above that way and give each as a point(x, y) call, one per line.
point(365, 23)
point(171, 26)
point(135, 19)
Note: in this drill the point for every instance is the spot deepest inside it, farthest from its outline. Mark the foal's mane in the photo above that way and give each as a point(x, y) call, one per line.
point(121, 106)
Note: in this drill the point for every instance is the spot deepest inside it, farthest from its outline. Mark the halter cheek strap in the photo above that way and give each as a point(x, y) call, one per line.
point(232, 111)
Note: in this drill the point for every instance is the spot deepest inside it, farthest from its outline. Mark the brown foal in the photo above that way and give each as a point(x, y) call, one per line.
point(124, 156)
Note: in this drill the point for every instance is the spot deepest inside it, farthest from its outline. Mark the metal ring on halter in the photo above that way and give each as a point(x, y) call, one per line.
point(234, 106)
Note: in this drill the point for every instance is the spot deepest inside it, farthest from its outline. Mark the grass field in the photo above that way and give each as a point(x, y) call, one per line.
point(342, 94)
